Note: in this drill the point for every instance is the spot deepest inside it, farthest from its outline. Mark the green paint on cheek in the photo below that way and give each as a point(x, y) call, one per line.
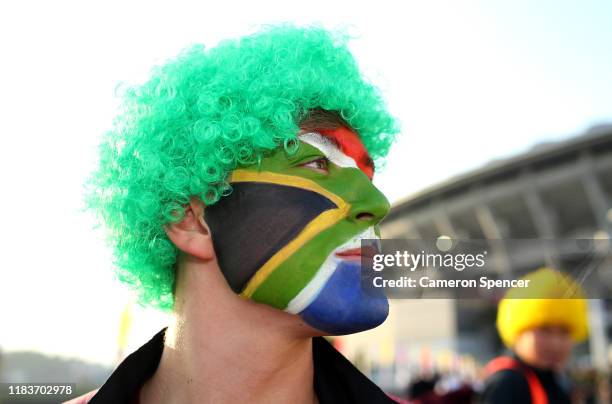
point(297, 271)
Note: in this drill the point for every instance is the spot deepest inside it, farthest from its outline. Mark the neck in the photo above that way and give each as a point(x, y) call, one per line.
point(221, 348)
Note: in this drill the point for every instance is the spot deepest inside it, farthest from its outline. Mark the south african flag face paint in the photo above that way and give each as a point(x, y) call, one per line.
point(289, 233)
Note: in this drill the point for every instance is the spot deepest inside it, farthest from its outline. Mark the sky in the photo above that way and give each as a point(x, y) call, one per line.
point(471, 81)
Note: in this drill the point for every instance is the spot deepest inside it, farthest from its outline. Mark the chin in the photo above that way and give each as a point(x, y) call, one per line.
point(342, 307)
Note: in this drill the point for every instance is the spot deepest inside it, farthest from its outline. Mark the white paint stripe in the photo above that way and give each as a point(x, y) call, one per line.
point(316, 284)
point(329, 149)
point(312, 289)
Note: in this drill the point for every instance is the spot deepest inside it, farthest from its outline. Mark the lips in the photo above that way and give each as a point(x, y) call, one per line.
point(355, 254)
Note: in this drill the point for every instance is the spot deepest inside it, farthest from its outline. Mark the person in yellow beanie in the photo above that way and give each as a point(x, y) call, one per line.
point(540, 324)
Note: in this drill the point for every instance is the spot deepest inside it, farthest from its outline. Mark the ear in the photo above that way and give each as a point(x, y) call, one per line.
point(192, 235)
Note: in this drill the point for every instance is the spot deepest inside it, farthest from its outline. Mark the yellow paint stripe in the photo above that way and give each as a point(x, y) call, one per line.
point(320, 223)
point(316, 226)
point(283, 179)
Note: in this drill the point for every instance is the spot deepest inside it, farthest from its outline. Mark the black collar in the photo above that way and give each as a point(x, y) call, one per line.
point(336, 380)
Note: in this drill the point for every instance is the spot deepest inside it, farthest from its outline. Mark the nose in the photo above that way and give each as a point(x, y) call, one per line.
point(368, 205)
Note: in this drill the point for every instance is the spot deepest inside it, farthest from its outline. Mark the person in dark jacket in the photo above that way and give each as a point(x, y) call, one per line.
point(237, 187)
point(540, 325)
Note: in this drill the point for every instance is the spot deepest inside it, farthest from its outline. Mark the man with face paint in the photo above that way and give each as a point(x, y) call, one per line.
point(237, 186)
point(308, 213)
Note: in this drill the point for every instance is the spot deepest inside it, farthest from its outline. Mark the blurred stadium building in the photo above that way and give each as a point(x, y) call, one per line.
point(560, 190)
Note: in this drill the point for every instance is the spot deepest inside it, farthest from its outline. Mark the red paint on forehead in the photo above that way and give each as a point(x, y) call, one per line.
point(350, 144)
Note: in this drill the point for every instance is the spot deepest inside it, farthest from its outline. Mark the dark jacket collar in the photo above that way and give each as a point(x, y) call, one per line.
point(336, 380)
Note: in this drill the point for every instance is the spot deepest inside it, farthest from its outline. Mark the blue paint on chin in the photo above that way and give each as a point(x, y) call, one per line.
point(341, 307)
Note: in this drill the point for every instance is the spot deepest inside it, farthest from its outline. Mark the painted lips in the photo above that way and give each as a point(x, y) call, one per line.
point(355, 254)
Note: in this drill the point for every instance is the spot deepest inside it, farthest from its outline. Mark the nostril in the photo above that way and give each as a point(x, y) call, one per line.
point(365, 216)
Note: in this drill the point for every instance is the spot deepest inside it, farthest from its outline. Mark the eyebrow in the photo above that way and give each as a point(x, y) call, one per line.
point(352, 146)
point(330, 140)
point(324, 144)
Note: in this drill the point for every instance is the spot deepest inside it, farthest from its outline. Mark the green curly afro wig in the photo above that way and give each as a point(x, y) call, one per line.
point(206, 112)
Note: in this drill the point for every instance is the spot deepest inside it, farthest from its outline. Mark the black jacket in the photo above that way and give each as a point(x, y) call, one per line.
point(336, 380)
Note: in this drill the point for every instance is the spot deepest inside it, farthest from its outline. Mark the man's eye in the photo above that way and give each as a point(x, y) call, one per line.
point(320, 164)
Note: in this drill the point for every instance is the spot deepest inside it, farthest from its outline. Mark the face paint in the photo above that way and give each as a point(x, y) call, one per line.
point(350, 144)
point(288, 235)
point(329, 148)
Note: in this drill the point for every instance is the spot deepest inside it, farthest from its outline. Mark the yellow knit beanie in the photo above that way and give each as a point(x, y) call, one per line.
point(560, 301)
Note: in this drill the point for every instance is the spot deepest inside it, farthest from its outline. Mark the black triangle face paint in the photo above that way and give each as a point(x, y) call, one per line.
point(255, 221)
